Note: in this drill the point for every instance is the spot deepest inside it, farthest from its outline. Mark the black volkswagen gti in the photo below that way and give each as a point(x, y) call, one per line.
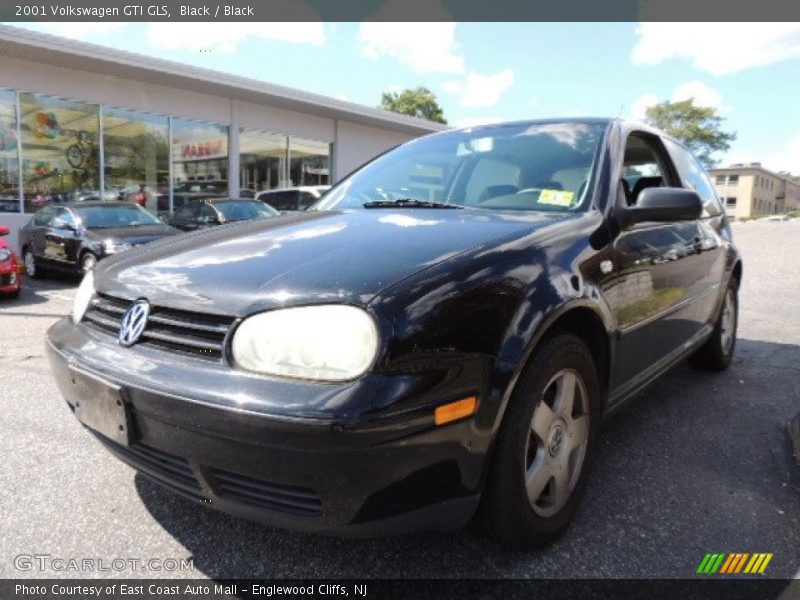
point(440, 336)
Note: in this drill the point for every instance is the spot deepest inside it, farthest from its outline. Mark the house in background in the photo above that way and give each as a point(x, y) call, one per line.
point(748, 190)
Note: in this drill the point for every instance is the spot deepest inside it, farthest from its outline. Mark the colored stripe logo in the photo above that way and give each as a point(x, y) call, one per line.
point(733, 563)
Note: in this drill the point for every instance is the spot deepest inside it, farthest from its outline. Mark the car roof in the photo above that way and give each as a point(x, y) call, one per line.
point(531, 122)
point(295, 188)
point(91, 203)
point(226, 200)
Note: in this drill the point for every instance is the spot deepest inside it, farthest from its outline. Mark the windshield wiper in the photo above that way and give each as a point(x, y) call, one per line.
point(408, 203)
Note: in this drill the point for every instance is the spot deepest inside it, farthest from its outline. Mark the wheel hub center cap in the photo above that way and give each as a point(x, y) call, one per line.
point(555, 439)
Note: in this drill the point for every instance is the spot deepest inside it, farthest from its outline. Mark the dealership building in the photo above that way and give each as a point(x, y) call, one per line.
point(80, 121)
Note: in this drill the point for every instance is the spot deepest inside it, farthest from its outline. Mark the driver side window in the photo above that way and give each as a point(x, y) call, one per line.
point(642, 168)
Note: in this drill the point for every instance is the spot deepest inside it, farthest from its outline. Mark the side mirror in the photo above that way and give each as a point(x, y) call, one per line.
point(664, 204)
point(4, 230)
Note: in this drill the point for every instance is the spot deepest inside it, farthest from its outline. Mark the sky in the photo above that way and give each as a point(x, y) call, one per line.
point(489, 72)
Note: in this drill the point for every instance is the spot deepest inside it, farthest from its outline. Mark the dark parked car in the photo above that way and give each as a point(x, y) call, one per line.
point(74, 237)
point(292, 200)
point(209, 212)
point(441, 334)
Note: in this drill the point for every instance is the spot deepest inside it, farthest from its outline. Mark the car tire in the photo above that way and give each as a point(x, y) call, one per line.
point(717, 352)
point(543, 443)
point(32, 267)
point(88, 262)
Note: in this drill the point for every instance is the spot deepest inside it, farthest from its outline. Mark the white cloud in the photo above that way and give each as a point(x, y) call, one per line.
point(785, 158)
point(85, 31)
point(475, 121)
point(482, 91)
point(702, 94)
point(639, 108)
point(225, 37)
point(718, 48)
point(425, 47)
point(452, 87)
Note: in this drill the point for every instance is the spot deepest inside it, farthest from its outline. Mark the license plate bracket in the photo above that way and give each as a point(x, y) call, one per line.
point(101, 406)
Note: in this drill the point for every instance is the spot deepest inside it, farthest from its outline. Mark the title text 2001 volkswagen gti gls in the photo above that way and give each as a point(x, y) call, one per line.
point(438, 337)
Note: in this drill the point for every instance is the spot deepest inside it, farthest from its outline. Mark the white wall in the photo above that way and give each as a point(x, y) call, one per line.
point(356, 144)
point(13, 222)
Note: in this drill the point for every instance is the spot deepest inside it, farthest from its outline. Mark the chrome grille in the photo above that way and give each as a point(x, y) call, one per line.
point(198, 334)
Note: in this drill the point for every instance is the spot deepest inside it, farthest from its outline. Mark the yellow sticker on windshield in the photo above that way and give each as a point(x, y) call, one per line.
point(556, 197)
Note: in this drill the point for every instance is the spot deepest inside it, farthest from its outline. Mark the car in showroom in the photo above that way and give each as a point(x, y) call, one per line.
point(73, 237)
point(10, 268)
point(209, 212)
point(293, 199)
point(438, 339)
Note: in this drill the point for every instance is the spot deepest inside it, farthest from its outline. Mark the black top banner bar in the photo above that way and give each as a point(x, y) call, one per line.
point(399, 10)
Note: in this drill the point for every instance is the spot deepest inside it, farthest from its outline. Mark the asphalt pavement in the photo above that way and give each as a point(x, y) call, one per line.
point(700, 463)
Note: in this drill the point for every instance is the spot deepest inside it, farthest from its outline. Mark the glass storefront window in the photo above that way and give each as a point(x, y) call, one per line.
point(59, 150)
point(199, 159)
point(136, 159)
point(9, 153)
point(309, 162)
point(262, 162)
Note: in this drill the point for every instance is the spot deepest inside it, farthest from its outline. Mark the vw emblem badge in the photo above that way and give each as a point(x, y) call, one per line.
point(133, 323)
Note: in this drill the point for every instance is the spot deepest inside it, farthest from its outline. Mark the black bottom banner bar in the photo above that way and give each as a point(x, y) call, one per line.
point(417, 589)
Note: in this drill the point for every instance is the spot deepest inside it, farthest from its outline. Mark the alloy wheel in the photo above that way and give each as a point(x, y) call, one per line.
point(89, 262)
point(557, 441)
point(728, 322)
point(30, 264)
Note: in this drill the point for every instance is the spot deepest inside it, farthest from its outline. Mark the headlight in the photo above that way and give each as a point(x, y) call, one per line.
point(328, 343)
point(83, 296)
point(5, 254)
point(112, 247)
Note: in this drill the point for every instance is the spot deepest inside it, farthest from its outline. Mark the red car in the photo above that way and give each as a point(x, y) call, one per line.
point(10, 269)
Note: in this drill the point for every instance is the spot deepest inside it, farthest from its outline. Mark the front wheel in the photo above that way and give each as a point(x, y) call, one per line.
point(88, 262)
point(717, 353)
point(545, 445)
point(32, 268)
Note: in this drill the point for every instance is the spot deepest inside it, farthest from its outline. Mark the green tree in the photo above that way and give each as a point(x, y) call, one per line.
point(698, 127)
point(419, 102)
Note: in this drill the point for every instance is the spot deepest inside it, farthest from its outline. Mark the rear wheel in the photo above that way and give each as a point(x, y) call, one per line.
point(544, 448)
point(717, 353)
point(32, 268)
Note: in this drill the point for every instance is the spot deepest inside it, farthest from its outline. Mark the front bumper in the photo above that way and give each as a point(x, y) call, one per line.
point(378, 472)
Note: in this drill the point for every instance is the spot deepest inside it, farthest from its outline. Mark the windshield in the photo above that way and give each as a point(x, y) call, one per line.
point(541, 167)
point(109, 217)
point(242, 211)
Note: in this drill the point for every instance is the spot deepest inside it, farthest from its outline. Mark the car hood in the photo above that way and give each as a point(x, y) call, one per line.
point(132, 235)
point(317, 257)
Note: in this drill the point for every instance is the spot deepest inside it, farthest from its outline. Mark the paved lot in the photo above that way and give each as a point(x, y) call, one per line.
point(702, 463)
